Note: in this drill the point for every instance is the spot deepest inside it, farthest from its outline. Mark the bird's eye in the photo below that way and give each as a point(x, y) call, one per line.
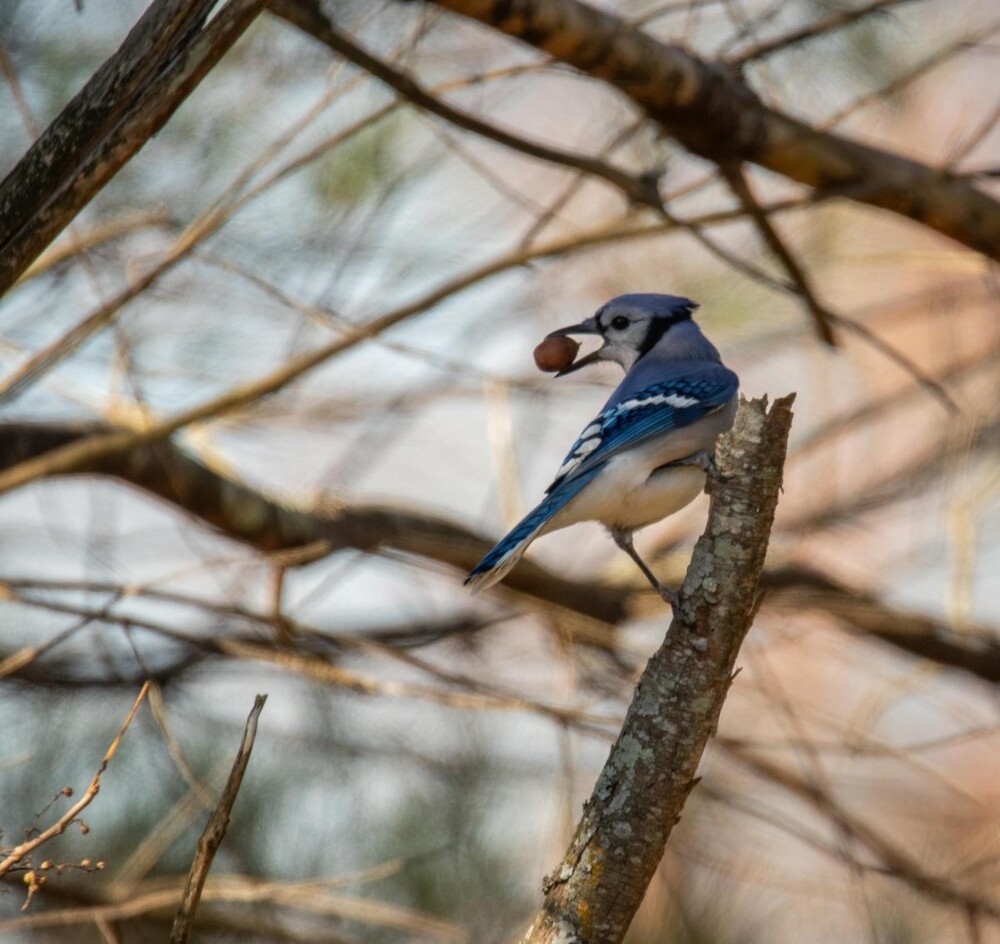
point(620, 323)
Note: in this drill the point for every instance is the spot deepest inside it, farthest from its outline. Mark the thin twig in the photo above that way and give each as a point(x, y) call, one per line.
point(309, 17)
point(822, 316)
point(897, 862)
point(736, 178)
point(823, 27)
point(717, 116)
point(18, 853)
point(901, 81)
point(125, 103)
point(215, 830)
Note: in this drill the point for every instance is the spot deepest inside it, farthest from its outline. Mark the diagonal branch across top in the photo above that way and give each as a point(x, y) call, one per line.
point(711, 110)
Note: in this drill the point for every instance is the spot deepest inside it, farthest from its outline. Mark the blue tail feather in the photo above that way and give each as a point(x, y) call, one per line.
point(508, 550)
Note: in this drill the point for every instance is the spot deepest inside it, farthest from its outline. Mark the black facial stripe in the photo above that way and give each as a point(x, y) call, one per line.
point(660, 326)
point(657, 328)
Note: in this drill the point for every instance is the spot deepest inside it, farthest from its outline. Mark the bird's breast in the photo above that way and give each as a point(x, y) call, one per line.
point(632, 491)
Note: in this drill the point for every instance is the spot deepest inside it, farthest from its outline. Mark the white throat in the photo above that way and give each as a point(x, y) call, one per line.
point(623, 354)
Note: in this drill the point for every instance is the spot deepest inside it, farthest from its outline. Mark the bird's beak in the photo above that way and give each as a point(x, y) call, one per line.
point(584, 327)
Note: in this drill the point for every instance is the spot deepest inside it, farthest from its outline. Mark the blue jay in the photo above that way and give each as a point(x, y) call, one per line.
point(646, 454)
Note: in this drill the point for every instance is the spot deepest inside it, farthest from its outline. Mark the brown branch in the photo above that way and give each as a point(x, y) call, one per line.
point(896, 862)
point(76, 455)
point(735, 177)
point(102, 232)
point(163, 59)
point(891, 486)
point(974, 651)
point(641, 190)
point(315, 897)
point(823, 317)
point(591, 897)
point(311, 661)
point(264, 523)
point(193, 235)
point(25, 848)
point(215, 831)
point(871, 412)
point(308, 16)
point(906, 78)
point(96, 110)
point(714, 114)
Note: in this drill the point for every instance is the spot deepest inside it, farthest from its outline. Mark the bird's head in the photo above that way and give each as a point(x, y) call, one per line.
point(631, 325)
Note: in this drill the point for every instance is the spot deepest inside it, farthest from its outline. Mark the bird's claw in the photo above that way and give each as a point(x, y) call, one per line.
point(671, 597)
point(706, 462)
point(707, 465)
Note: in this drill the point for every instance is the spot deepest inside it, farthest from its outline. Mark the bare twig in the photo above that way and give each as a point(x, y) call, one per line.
point(215, 830)
point(714, 114)
point(641, 190)
point(896, 861)
point(82, 452)
point(738, 183)
point(914, 72)
point(263, 522)
point(822, 27)
point(316, 896)
point(823, 317)
point(18, 853)
point(309, 17)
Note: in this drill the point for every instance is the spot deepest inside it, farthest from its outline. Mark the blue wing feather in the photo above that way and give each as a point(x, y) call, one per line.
point(630, 418)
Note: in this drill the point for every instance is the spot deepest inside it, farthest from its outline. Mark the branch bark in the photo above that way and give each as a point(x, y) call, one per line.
point(592, 896)
point(168, 52)
point(710, 110)
point(215, 830)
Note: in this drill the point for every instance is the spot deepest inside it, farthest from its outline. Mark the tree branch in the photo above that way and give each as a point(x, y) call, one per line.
point(836, 20)
point(215, 830)
point(715, 114)
point(594, 893)
point(735, 177)
point(897, 861)
point(974, 651)
point(18, 853)
point(263, 522)
point(168, 52)
point(308, 16)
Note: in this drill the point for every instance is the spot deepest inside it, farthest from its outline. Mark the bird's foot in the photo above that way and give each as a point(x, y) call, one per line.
point(704, 461)
point(671, 597)
point(623, 538)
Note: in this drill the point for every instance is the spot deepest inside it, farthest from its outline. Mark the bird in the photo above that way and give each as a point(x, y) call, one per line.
point(647, 453)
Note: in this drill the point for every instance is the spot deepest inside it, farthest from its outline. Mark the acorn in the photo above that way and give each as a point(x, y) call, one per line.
point(555, 353)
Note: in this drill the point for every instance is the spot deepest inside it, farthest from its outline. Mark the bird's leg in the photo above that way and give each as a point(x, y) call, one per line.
point(623, 539)
point(704, 461)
